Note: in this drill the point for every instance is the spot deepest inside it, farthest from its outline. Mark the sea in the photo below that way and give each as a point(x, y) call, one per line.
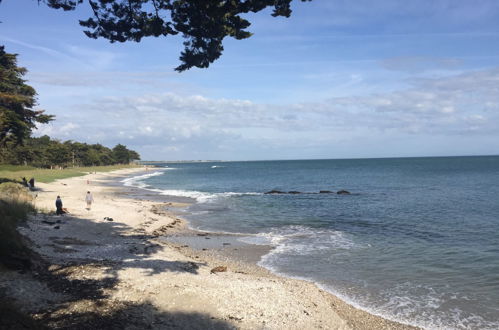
point(416, 240)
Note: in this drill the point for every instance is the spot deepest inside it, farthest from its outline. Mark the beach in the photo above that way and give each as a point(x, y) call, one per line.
point(126, 273)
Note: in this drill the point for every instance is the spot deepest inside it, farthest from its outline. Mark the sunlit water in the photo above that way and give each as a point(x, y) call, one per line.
point(417, 241)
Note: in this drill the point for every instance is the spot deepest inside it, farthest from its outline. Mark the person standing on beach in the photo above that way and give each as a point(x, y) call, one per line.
point(58, 206)
point(89, 199)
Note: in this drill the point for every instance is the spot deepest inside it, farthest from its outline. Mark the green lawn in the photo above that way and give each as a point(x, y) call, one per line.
point(16, 173)
point(15, 168)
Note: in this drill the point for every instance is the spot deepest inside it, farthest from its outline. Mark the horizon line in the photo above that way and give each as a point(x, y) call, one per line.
point(301, 159)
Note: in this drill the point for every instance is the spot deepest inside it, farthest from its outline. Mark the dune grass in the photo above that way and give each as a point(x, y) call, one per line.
point(15, 205)
point(16, 173)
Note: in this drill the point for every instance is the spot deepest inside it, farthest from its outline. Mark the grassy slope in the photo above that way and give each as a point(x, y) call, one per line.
point(16, 173)
point(14, 254)
point(15, 205)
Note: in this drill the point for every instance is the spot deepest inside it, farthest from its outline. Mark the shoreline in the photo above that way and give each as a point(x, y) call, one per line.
point(174, 280)
point(249, 256)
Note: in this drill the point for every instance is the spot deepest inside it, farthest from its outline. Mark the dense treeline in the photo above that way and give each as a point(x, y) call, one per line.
point(48, 153)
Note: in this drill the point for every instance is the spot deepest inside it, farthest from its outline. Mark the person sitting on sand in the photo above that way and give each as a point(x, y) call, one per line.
point(25, 182)
point(58, 206)
point(89, 199)
point(32, 183)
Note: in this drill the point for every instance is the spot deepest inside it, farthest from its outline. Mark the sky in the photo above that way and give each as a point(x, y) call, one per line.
point(338, 79)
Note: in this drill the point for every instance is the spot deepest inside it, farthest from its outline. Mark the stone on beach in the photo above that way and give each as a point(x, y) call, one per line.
point(218, 269)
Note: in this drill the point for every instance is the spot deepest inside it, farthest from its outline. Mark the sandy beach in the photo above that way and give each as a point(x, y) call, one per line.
point(127, 274)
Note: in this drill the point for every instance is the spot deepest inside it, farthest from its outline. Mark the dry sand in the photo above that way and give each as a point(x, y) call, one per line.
point(123, 274)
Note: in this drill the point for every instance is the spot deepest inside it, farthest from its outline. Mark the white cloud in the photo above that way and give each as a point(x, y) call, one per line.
point(199, 126)
point(65, 131)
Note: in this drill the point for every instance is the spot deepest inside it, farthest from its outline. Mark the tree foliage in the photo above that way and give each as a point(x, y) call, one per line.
point(203, 23)
point(45, 152)
point(17, 99)
point(121, 154)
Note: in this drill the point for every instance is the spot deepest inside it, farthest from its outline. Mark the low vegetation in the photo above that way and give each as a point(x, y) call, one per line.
point(15, 205)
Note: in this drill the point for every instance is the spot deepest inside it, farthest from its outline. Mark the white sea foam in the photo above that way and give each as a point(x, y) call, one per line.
point(406, 303)
point(199, 196)
point(302, 240)
point(425, 310)
point(202, 197)
point(136, 181)
point(427, 307)
point(297, 240)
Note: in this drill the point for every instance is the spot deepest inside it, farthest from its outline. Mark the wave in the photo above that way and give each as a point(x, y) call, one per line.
point(299, 240)
point(135, 181)
point(203, 197)
point(217, 166)
point(418, 305)
point(199, 196)
point(407, 303)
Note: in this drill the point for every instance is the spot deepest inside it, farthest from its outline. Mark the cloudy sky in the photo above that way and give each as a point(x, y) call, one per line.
point(339, 79)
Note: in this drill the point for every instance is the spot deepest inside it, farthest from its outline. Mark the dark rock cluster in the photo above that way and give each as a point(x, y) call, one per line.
point(293, 192)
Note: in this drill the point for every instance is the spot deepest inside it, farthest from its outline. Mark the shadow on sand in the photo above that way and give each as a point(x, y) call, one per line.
point(86, 303)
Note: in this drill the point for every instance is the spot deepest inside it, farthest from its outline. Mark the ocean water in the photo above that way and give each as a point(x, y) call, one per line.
point(417, 241)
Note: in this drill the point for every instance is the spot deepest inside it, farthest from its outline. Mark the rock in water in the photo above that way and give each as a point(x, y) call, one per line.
point(325, 192)
point(294, 192)
point(275, 192)
point(343, 192)
point(219, 269)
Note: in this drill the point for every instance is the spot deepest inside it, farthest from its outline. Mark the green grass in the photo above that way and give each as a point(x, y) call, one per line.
point(15, 168)
point(16, 173)
point(15, 205)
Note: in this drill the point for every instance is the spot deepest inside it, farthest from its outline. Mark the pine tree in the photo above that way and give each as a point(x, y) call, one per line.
point(17, 99)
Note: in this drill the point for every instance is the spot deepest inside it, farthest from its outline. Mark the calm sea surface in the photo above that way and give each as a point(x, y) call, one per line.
point(417, 241)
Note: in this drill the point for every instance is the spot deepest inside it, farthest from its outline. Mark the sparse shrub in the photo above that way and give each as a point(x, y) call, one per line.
point(15, 205)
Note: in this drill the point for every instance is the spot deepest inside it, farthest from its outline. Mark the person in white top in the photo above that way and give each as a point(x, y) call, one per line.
point(89, 199)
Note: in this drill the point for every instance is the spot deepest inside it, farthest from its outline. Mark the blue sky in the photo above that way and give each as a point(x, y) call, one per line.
point(336, 80)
